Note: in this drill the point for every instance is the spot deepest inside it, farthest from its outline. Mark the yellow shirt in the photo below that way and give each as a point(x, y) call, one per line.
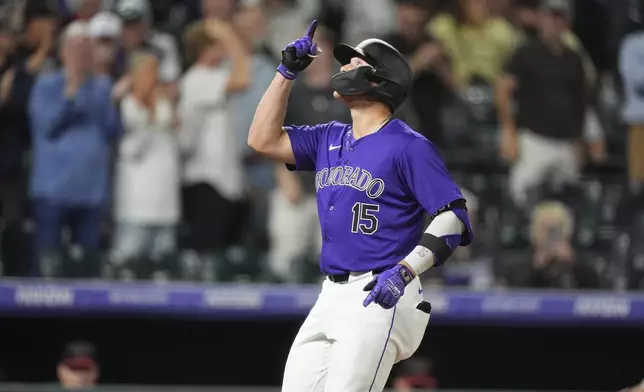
point(474, 51)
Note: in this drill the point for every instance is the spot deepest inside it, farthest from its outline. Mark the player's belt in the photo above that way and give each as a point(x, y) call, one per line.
point(343, 278)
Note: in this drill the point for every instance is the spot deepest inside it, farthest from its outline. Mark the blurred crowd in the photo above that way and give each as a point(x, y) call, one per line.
point(123, 128)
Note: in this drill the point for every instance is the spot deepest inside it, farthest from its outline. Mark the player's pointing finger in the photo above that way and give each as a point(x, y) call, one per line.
point(370, 298)
point(310, 31)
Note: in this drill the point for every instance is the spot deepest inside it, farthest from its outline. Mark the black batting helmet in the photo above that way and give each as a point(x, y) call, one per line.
point(389, 79)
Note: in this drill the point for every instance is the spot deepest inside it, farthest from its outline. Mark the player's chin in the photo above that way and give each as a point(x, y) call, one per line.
point(348, 100)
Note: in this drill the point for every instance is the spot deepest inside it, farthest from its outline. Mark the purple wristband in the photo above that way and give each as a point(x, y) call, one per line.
point(287, 73)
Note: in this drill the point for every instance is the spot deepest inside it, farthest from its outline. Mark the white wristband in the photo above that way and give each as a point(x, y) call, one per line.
point(420, 259)
point(446, 223)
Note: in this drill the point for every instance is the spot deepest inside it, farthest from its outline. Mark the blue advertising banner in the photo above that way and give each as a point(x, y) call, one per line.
point(33, 297)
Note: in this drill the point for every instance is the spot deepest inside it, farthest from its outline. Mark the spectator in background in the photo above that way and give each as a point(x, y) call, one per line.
point(218, 9)
point(36, 50)
point(23, 59)
point(78, 367)
point(415, 374)
point(630, 67)
point(12, 137)
point(554, 262)
point(105, 29)
point(139, 35)
point(477, 43)
point(253, 22)
point(213, 174)
point(546, 78)
point(293, 221)
point(431, 70)
point(526, 18)
point(250, 23)
point(208, 10)
point(147, 173)
point(73, 123)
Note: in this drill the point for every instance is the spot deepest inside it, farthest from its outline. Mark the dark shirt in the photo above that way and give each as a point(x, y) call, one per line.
point(561, 275)
point(429, 92)
point(551, 94)
point(311, 106)
point(15, 137)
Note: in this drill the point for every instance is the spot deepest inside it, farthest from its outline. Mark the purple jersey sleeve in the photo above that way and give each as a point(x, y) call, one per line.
point(305, 140)
point(424, 174)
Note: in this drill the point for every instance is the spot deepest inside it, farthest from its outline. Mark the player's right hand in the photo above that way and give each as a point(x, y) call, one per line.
point(299, 54)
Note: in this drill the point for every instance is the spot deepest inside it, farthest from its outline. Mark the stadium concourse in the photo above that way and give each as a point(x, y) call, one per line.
point(164, 254)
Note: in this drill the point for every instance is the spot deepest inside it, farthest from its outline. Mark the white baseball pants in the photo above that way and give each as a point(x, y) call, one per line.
point(343, 346)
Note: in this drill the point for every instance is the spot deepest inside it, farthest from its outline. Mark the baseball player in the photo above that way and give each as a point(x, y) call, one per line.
point(375, 180)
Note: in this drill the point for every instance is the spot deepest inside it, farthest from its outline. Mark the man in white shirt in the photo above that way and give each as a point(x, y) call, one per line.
point(214, 182)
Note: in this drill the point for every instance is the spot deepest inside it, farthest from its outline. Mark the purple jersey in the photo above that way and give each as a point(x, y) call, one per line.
point(372, 193)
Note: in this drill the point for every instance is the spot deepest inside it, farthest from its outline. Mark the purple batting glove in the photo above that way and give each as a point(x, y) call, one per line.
point(386, 288)
point(299, 54)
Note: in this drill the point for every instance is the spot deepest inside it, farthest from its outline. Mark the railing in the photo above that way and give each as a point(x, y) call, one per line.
point(22, 297)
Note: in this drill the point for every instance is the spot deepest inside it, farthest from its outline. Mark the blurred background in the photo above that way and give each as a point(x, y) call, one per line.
point(142, 243)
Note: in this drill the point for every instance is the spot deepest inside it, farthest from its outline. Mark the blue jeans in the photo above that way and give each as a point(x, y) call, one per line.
point(84, 223)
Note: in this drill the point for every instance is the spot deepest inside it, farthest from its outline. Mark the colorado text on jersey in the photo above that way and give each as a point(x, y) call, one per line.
point(354, 177)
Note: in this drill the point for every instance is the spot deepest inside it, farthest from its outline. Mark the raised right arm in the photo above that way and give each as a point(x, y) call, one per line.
point(266, 134)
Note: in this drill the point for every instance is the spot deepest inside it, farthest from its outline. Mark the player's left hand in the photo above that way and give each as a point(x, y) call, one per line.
point(386, 288)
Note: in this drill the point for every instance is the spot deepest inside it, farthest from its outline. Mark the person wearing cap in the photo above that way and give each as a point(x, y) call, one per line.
point(105, 30)
point(137, 34)
point(73, 123)
point(546, 79)
point(78, 367)
point(526, 19)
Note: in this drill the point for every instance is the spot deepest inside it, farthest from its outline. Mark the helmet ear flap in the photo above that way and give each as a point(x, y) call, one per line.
point(373, 78)
point(390, 93)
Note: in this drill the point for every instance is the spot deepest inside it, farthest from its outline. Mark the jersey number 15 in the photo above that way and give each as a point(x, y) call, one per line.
point(364, 219)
